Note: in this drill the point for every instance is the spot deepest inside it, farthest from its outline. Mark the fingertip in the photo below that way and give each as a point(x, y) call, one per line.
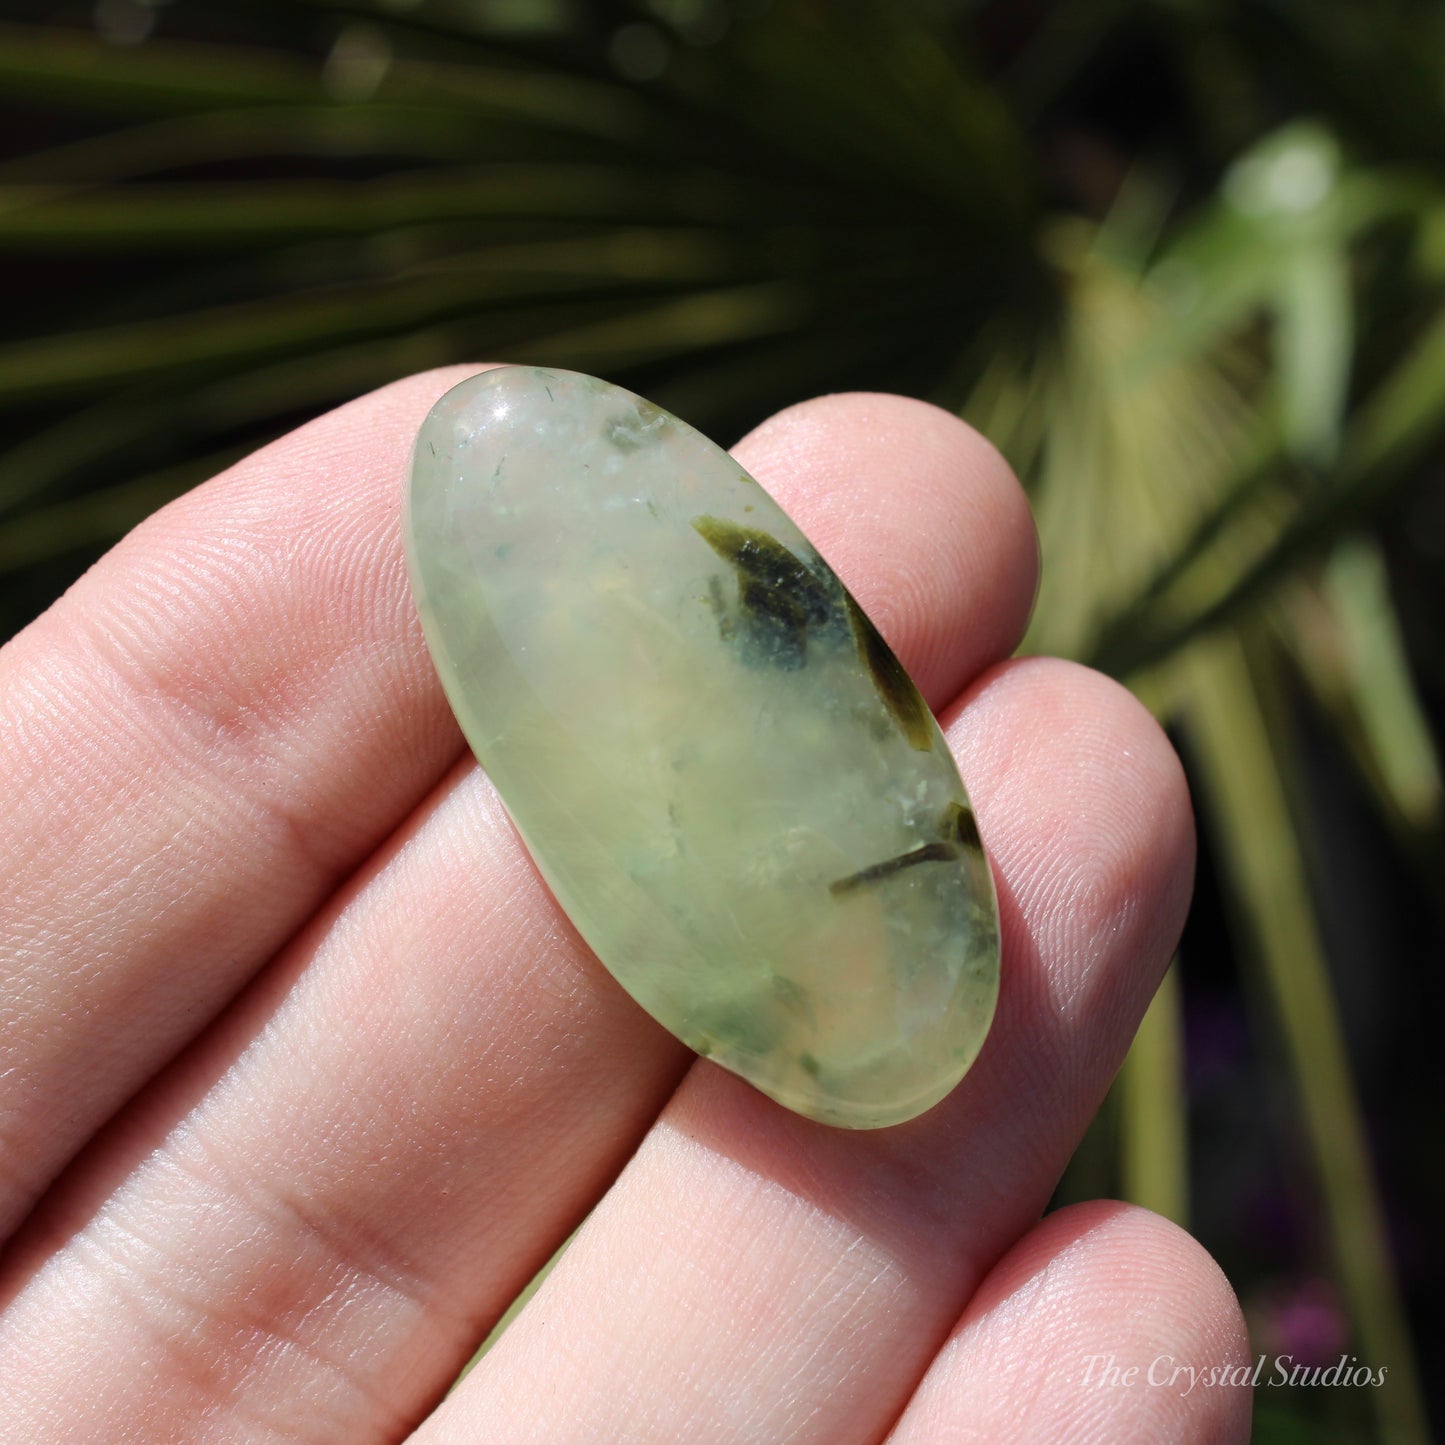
point(1085, 808)
point(1123, 1250)
point(921, 517)
point(1104, 1322)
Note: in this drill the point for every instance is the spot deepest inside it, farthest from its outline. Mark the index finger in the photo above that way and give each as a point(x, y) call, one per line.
point(224, 716)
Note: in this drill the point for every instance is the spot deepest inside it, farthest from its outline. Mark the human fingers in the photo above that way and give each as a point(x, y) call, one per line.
point(197, 742)
point(756, 1276)
point(1103, 1323)
point(316, 1214)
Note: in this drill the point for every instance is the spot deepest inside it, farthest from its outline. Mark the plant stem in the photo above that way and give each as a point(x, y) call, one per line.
point(1259, 850)
point(1154, 1152)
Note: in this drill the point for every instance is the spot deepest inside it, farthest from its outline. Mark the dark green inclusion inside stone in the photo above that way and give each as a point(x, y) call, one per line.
point(782, 604)
point(746, 1031)
point(874, 872)
point(960, 824)
point(958, 829)
point(894, 685)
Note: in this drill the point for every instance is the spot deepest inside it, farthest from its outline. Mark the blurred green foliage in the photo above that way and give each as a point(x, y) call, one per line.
point(1182, 260)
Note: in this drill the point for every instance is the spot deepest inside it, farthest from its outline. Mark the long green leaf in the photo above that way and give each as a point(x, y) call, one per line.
point(1131, 460)
point(66, 65)
point(692, 323)
point(322, 132)
point(260, 330)
point(1153, 1125)
point(1315, 344)
point(1384, 692)
point(241, 213)
point(1238, 756)
point(47, 462)
point(1402, 417)
point(673, 328)
point(1347, 637)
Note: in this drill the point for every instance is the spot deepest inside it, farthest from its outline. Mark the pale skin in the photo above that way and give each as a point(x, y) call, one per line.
point(303, 1073)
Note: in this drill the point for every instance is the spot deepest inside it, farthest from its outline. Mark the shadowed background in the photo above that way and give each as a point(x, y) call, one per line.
point(1183, 262)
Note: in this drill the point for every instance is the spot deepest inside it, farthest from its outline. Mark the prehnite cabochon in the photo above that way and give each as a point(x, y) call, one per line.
point(723, 774)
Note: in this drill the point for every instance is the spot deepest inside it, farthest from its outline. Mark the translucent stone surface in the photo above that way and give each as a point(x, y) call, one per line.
point(721, 771)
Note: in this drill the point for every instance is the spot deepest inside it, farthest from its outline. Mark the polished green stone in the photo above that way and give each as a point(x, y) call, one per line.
point(722, 772)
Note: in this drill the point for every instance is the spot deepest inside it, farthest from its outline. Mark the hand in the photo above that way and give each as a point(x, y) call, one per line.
point(303, 1074)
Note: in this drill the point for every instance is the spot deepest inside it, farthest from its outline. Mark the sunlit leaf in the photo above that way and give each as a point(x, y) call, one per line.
point(1238, 750)
point(1388, 431)
point(1153, 1128)
point(1348, 638)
